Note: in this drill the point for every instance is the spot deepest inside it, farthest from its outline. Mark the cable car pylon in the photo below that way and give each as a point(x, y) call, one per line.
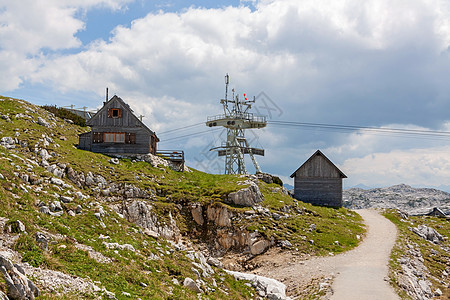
point(236, 119)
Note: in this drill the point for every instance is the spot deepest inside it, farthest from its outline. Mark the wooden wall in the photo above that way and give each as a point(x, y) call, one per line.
point(318, 181)
point(319, 191)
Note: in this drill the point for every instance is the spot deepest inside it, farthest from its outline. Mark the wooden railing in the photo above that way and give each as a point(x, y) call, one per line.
point(176, 156)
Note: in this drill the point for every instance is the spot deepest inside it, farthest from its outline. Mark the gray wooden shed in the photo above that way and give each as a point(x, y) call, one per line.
point(116, 130)
point(318, 181)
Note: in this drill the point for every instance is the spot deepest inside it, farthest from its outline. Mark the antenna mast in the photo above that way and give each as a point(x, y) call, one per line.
point(236, 120)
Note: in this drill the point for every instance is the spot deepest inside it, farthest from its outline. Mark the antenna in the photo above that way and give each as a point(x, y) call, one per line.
point(236, 120)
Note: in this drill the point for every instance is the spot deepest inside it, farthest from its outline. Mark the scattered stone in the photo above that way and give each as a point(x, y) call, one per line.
point(65, 199)
point(285, 244)
point(151, 233)
point(7, 142)
point(42, 240)
point(119, 247)
point(55, 206)
point(16, 227)
point(126, 294)
point(214, 262)
point(6, 118)
point(79, 209)
point(43, 122)
point(312, 227)
point(190, 284)
point(114, 161)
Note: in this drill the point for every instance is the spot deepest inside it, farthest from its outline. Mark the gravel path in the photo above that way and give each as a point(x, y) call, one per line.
point(358, 274)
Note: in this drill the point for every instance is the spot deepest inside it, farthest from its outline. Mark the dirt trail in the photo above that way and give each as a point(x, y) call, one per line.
point(359, 274)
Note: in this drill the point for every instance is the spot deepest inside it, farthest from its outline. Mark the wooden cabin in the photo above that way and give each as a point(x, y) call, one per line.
point(318, 181)
point(116, 130)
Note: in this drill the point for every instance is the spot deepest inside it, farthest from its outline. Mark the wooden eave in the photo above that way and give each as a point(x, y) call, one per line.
point(318, 152)
point(124, 106)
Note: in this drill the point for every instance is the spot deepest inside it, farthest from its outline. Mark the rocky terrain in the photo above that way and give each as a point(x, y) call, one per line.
point(81, 225)
point(402, 196)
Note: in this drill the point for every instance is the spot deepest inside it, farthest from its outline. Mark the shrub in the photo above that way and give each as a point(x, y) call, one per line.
point(65, 114)
point(277, 180)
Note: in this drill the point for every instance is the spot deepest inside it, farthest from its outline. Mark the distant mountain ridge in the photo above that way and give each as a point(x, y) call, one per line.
point(401, 196)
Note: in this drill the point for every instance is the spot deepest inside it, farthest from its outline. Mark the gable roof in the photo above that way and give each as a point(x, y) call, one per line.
point(319, 153)
point(106, 105)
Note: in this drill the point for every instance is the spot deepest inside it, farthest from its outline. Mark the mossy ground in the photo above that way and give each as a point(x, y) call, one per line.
point(128, 270)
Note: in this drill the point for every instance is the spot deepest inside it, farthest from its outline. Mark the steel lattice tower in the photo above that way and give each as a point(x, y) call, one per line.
point(236, 119)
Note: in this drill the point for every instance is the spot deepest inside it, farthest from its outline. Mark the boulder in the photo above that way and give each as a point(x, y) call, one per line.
point(43, 122)
point(197, 213)
point(427, 233)
point(259, 247)
point(273, 289)
point(7, 142)
point(65, 199)
point(190, 284)
point(248, 196)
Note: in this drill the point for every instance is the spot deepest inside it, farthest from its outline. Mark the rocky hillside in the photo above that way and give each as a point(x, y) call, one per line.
point(402, 196)
point(81, 225)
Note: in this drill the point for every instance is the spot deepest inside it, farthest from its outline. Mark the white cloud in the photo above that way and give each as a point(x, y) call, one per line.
point(420, 167)
point(30, 27)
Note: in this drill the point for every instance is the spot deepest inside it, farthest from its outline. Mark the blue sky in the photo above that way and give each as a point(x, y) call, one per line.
point(374, 63)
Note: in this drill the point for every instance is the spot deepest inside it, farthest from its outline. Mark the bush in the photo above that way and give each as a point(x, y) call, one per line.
point(65, 114)
point(31, 252)
point(277, 180)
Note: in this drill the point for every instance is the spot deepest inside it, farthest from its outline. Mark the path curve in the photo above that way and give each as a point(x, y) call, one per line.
point(361, 273)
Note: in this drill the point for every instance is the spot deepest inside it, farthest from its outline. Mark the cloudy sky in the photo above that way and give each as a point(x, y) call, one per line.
point(373, 63)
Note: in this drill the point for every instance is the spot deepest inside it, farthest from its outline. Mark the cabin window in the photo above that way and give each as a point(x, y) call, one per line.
point(114, 137)
point(97, 137)
point(130, 138)
point(114, 113)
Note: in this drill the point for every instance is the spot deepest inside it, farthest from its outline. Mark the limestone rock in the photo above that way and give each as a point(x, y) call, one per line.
point(3, 296)
point(140, 213)
point(268, 286)
point(18, 285)
point(248, 196)
point(7, 142)
point(190, 284)
point(427, 233)
point(197, 213)
point(259, 247)
point(43, 122)
point(221, 216)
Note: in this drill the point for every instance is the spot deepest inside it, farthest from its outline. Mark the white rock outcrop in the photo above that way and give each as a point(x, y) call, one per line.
point(269, 287)
point(249, 196)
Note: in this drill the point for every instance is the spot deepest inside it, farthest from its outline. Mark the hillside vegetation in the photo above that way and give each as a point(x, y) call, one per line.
point(84, 225)
point(420, 264)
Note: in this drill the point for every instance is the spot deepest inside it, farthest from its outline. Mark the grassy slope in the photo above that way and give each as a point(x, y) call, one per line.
point(129, 269)
point(435, 258)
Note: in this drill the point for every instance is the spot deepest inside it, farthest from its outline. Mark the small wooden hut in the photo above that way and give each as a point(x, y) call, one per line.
point(318, 181)
point(116, 130)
